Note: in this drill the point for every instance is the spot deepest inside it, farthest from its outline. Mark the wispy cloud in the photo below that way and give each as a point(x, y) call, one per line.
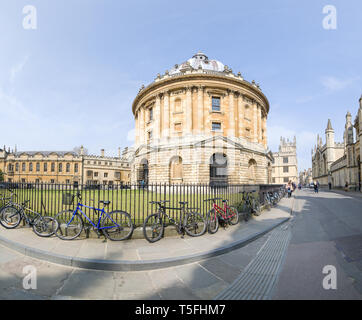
point(17, 69)
point(332, 83)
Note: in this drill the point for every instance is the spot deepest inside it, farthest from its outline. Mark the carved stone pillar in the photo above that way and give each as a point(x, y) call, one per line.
point(188, 110)
point(200, 109)
point(255, 122)
point(141, 113)
point(241, 115)
point(166, 114)
point(231, 131)
point(137, 128)
point(260, 138)
point(157, 118)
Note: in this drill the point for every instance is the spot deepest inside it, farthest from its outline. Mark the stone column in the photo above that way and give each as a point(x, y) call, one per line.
point(259, 124)
point(231, 131)
point(255, 122)
point(240, 115)
point(200, 109)
point(142, 125)
point(166, 114)
point(157, 119)
point(265, 132)
point(188, 111)
point(137, 128)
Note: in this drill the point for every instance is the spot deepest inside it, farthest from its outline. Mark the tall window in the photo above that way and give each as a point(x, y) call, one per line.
point(215, 104)
point(45, 167)
point(17, 167)
point(285, 169)
point(60, 167)
point(285, 159)
point(30, 166)
point(151, 114)
point(52, 167)
point(76, 167)
point(23, 167)
point(67, 167)
point(178, 106)
point(37, 167)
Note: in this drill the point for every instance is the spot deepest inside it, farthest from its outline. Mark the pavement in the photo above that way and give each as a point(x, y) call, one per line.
point(325, 229)
point(139, 254)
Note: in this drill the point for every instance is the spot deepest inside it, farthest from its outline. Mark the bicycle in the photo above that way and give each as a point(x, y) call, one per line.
point(217, 215)
point(12, 214)
point(193, 223)
point(250, 204)
point(4, 201)
point(116, 225)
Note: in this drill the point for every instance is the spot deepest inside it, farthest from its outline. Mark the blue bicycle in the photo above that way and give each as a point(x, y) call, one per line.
point(116, 225)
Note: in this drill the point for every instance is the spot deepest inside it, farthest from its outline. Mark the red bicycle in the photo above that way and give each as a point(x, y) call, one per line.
point(219, 215)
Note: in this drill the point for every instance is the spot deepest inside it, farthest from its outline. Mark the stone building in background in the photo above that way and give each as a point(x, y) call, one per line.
point(200, 123)
point(285, 165)
point(340, 163)
point(68, 167)
point(306, 177)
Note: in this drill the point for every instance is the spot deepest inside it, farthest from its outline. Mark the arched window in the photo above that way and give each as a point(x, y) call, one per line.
point(67, 167)
point(252, 171)
point(176, 170)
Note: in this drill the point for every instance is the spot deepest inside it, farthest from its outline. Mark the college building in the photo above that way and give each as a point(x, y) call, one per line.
point(339, 163)
point(68, 167)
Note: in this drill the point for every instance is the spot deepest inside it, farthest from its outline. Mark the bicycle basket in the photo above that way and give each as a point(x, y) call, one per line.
point(68, 199)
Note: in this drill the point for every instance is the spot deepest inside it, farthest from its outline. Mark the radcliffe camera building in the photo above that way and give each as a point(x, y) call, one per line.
point(339, 163)
point(201, 123)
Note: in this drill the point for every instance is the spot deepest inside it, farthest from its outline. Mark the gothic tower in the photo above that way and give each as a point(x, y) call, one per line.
point(330, 145)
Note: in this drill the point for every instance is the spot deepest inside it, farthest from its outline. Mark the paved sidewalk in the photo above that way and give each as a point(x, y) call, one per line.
point(138, 254)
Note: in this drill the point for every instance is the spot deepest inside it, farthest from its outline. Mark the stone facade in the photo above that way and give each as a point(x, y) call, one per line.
point(340, 163)
point(62, 167)
point(285, 165)
point(200, 123)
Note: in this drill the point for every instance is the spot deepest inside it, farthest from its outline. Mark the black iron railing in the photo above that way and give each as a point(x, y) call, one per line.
point(49, 198)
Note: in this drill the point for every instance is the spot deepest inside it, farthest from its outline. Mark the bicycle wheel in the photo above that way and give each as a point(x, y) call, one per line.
point(153, 228)
point(233, 212)
point(256, 208)
point(69, 227)
point(10, 217)
point(195, 224)
point(45, 226)
point(117, 226)
point(213, 221)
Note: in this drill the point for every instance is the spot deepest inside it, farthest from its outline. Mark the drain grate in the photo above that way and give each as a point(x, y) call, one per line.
point(258, 278)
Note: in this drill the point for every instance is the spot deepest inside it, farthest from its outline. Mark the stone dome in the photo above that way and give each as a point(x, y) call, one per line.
point(199, 60)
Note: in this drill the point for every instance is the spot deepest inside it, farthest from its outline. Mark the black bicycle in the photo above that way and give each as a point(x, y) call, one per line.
point(193, 223)
point(12, 214)
point(250, 205)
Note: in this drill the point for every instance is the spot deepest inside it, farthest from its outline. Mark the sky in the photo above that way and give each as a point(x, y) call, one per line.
point(71, 80)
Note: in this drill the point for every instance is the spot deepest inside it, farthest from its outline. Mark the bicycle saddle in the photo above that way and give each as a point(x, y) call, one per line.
point(183, 202)
point(106, 203)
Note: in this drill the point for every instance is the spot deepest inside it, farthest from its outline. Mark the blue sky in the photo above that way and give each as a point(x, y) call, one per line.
point(73, 79)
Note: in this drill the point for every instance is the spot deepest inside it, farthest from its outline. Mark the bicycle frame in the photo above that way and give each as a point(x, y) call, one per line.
point(79, 205)
point(222, 211)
